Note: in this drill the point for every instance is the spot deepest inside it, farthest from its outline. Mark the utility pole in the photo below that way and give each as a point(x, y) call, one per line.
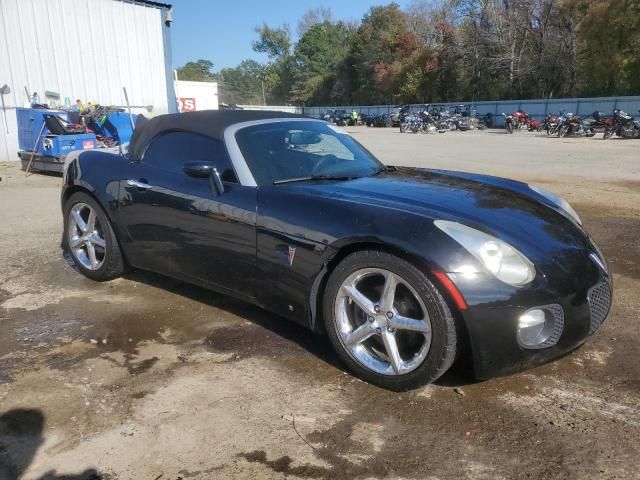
point(264, 99)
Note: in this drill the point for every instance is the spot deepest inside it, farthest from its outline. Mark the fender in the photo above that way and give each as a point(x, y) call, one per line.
point(85, 170)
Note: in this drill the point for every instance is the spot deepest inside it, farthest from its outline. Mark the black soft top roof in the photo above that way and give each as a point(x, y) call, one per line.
point(210, 123)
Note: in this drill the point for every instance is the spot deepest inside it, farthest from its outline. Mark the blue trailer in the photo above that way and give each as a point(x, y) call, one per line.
point(46, 137)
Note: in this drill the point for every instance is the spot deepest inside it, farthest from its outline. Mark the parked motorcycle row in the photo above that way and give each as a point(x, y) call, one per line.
point(428, 118)
point(436, 118)
point(619, 124)
point(424, 118)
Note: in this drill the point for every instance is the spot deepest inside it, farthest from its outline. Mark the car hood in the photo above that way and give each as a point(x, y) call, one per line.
point(504, 208)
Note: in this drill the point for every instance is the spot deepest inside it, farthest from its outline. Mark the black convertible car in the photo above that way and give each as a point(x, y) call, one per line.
point(402, 268)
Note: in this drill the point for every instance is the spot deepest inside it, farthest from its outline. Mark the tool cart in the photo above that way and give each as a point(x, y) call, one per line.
point(46, 137)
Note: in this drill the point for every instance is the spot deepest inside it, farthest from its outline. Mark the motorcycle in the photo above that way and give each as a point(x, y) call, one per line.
point(569, 124)
point(487, 119)
point(534, 126)
point(446, 121)
point(410, 123)
point(429, 123)
point(520, 119)
point(509, 122)
point(624, 126)
point(550, 124)
point(597, 122)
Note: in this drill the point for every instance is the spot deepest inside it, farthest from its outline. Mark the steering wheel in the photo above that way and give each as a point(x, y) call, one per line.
point(326, 159)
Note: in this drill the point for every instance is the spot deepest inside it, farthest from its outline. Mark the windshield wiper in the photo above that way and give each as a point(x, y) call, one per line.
point(312, 178)
point(385, 168)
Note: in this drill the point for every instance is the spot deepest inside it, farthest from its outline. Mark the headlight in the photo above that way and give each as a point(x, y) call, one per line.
point(500, 258)
point(559, 202)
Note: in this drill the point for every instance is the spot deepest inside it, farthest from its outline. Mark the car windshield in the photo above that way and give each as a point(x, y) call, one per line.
point(281, 151)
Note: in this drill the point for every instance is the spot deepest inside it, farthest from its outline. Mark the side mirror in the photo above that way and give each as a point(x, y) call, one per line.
point(216, 182)
point(205, 169)
point(198, 169)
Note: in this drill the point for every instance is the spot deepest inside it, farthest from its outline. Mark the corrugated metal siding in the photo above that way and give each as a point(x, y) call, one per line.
point(86, 49)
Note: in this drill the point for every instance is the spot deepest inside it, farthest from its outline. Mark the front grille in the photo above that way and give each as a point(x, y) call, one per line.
point(599, 297)
point(558, 325)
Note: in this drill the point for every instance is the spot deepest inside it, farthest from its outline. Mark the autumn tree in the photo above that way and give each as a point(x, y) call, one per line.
point(443, 51)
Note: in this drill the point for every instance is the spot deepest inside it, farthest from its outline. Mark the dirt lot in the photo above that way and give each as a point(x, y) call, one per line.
point(147, 378)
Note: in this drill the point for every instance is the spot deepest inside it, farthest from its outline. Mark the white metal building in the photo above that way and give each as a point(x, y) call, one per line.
point(83, 49)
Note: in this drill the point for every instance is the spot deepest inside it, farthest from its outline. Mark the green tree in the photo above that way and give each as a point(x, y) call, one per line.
point(275, 42)
point(317, 55)
point(200, 71)
point(609, 48)
point(279, 72)
point(242, 84)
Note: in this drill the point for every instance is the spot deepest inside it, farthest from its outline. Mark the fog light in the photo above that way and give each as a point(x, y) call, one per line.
point(534, 328)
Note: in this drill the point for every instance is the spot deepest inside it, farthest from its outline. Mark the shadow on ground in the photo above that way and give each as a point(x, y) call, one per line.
point(238, 340)
point(21, 434)
point(233, 339)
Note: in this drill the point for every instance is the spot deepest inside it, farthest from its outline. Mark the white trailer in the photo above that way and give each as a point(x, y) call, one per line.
point(194, 96)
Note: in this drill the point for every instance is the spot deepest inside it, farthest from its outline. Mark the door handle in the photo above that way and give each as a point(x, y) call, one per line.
point(137, 184)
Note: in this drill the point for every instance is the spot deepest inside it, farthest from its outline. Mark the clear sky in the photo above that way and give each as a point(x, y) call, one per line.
point(222, 31)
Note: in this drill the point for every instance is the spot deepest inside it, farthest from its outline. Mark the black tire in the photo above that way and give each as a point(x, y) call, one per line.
point(443, 348)
point(509, 128)
point(114, 264)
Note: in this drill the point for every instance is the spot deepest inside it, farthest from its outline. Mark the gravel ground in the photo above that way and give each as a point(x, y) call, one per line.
point(147, 378)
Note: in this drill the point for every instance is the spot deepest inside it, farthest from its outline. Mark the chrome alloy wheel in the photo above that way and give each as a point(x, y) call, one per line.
point(86, 236)
point(382, 321)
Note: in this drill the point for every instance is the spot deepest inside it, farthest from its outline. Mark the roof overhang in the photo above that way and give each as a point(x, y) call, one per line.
point(149, 3)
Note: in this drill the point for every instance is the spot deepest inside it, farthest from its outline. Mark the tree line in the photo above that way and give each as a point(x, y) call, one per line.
point(441, 51)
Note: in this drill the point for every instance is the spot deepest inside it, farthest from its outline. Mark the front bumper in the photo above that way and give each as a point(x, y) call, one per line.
point(584, 292)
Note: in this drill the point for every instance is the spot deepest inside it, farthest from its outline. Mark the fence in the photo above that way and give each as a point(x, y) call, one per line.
point(273, 108)
point(538, 109)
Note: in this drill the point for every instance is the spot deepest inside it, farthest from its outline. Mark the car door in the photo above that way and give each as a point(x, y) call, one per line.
point(179, 225)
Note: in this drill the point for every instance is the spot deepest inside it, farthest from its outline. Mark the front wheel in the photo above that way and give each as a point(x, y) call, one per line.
point(90, 239)
point(387, 322)
point(509, 127)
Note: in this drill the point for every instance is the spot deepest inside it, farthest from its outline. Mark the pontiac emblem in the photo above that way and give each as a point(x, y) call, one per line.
point(291, 254)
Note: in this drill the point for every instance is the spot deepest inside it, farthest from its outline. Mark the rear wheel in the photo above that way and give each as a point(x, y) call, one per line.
point(388, 322)
point(90, 239)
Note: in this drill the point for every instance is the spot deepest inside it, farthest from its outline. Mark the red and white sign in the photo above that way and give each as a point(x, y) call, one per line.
point(187, 104)
point(196, 96)
point(87, 144)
